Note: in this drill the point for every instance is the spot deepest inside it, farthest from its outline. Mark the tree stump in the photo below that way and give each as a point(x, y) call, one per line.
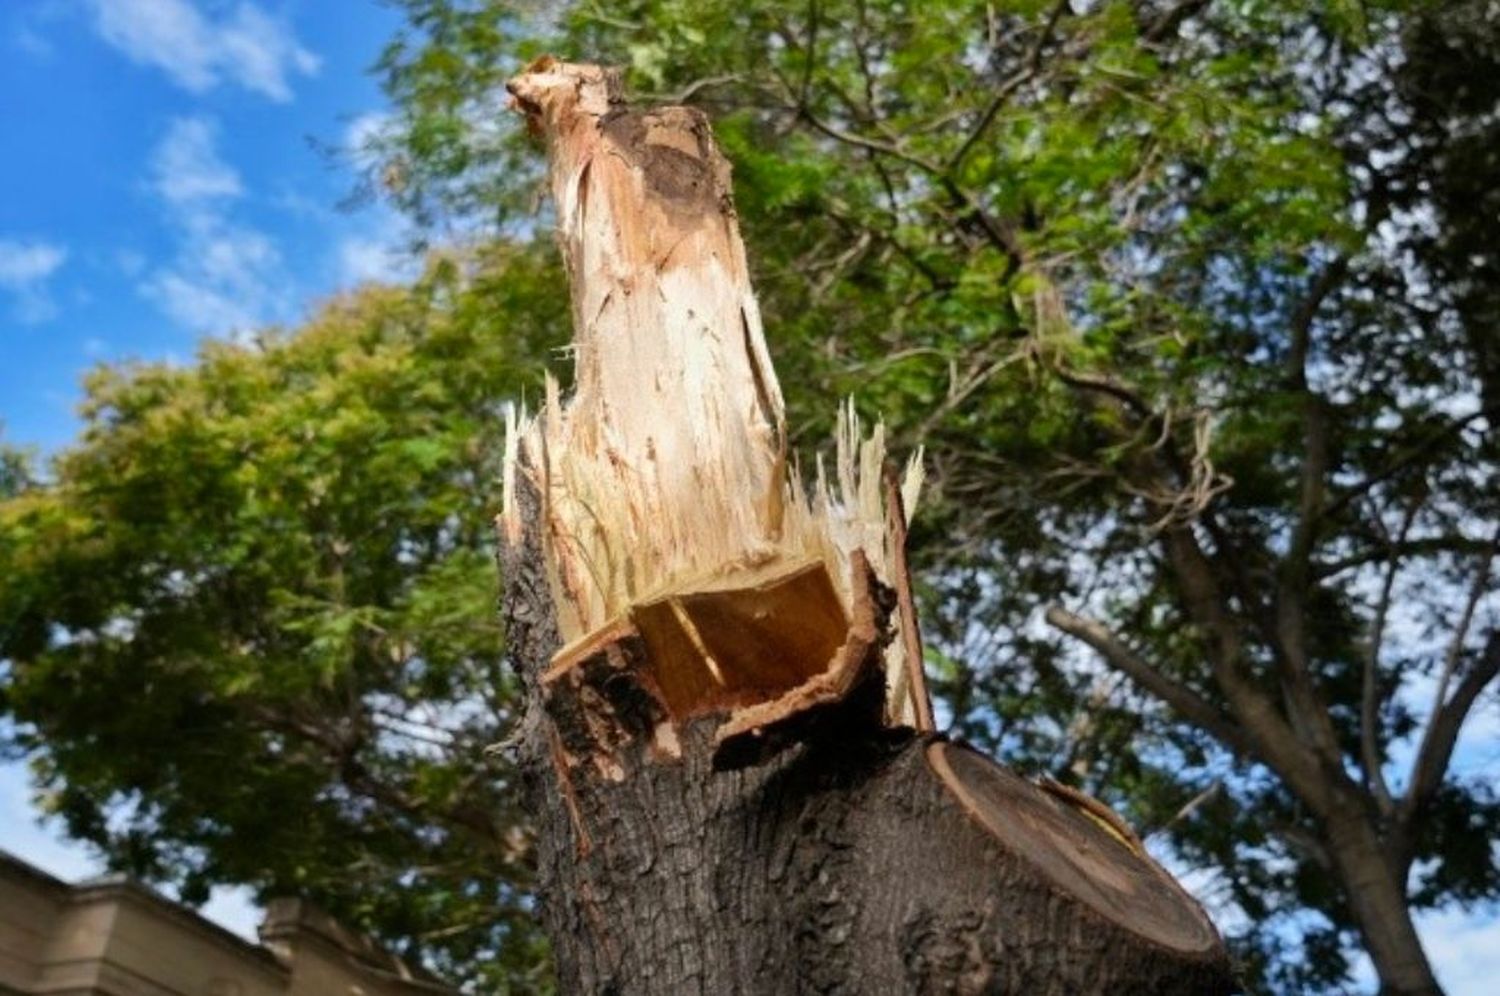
point(717, 746)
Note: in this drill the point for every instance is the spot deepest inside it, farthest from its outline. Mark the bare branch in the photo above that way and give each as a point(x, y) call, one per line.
point(1369, 704)
point(1422, 546)
point(697, 86)
point(1278, 743)
point(812, 48)
point(1442, 735)
point(1461, 632)
point(999, 233)
point(1449, 714)
point(1214, 790)
point(1108, 385)
point(1305, 706)
point(1184, 700)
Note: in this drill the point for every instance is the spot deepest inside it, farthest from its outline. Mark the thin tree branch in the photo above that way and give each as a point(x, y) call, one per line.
point(1461, 632)
point(1000, 234)
point(1305, 705)
point(1002, 94)
point(1111, 387)
point(1442, 736)
point(1184, 700)
point(1276, 742)
point(812, 48)
point(1032, 65)
point(1449, 714)
point(1419, 547)
point(1215, 789)
point(1369, 702)
point(690, 91)
point(1426, 449)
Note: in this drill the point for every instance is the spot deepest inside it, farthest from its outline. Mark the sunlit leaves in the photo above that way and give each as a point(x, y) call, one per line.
point(250, 615)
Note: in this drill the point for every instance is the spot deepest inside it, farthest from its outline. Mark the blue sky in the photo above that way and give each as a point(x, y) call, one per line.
point(173, 169)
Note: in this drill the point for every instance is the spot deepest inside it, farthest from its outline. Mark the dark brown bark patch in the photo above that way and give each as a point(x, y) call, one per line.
point(673, 149)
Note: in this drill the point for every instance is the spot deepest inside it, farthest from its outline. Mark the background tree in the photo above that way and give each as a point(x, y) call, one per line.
point(1165, 289)
point(250, 617)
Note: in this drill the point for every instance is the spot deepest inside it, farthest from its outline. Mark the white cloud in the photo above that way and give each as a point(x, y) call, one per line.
point(223, 281)
point(377, 250)
point(364, 259)
point(130, 262)
point(226, 276)
point(363, 135)
point(25, 269)
point(1465, 951)
point(248, 47)
point(24, 264)
point(186, 165)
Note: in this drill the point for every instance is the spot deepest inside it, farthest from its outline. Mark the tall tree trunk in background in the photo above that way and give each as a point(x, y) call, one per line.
point(721, 669)
point(1376, 886)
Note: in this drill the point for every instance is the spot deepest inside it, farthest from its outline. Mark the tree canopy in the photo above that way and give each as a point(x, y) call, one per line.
point(251, 618)
point(1191, 304)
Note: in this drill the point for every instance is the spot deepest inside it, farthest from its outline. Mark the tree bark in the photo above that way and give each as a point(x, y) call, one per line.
point(726, 798)
point(1375, 883)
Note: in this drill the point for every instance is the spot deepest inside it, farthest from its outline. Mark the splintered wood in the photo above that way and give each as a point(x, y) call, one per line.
point(667, 504)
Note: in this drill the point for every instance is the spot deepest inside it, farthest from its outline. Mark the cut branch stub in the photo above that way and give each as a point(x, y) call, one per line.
point(669, 513)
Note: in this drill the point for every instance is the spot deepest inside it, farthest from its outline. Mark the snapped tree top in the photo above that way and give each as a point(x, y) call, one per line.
point(730, 798)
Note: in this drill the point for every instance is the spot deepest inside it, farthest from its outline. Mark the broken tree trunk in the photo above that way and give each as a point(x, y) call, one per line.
point(718, 744)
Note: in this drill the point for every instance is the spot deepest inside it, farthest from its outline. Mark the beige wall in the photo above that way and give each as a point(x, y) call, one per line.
point(114, 937)
point(29, 908)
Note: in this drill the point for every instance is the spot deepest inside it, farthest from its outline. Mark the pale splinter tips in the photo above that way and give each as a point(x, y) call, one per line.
point(664, 473)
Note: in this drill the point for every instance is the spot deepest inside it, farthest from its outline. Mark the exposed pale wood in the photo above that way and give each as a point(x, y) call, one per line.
point(910, 703)
point(664, 473)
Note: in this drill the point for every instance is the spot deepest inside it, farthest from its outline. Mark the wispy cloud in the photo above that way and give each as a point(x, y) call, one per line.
point(226, 276)
point(247, 46)
point(363, 136)
point(186, 166)
point(377, 257)
point(25, 269)
point(377, 252)
point(224, 279)
point(32, 43)
point(23, 264)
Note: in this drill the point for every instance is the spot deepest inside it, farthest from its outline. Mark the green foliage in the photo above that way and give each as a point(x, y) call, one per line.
point(1128, 270)
point(15, 471)
point(1142, 277)
point(250, 616)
